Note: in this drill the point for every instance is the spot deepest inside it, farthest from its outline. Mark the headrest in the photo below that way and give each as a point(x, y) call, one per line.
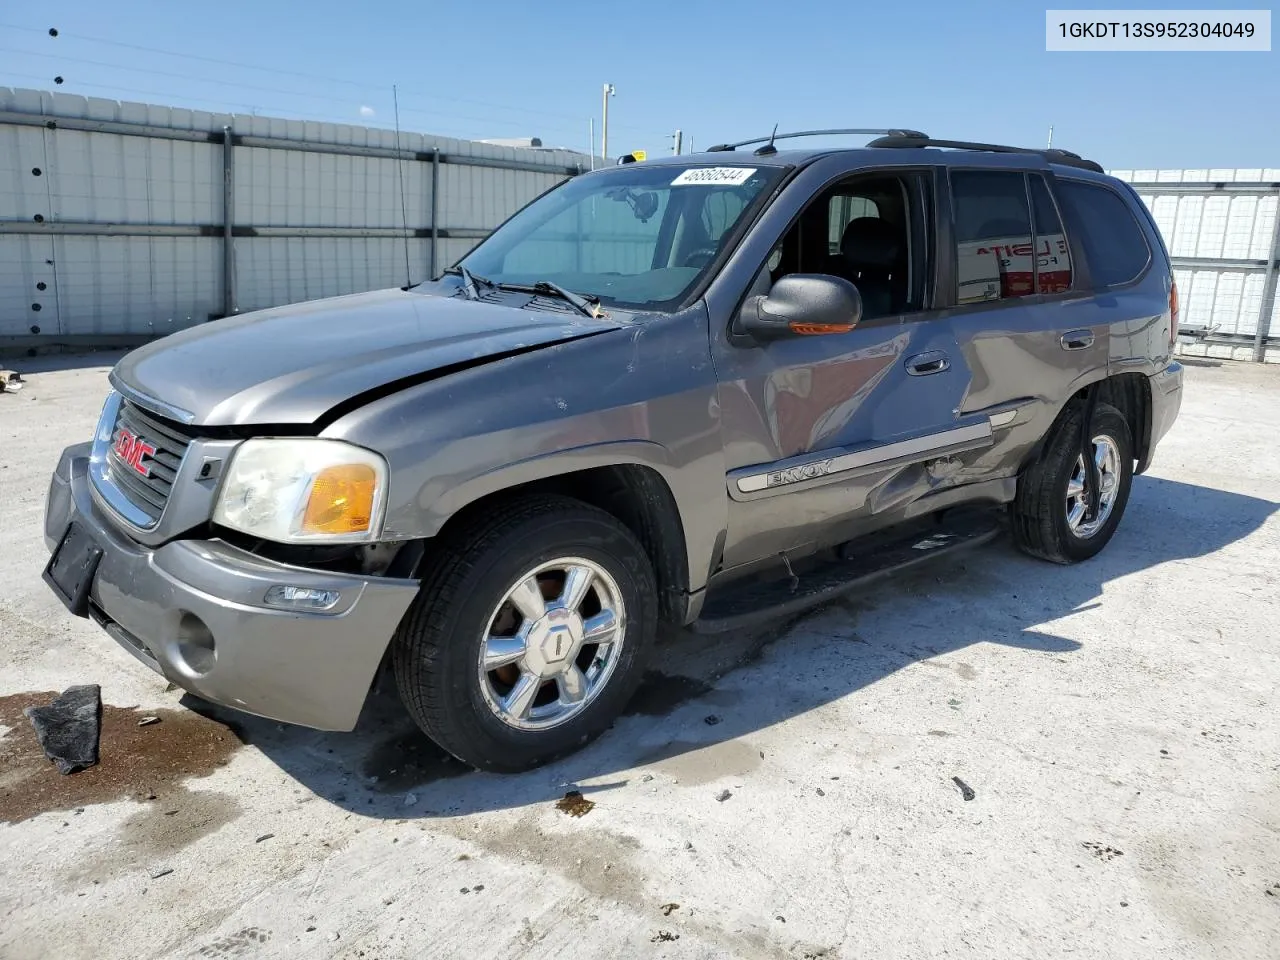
point(870, 242)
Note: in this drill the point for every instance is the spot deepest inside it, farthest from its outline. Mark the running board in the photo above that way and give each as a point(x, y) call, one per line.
point(864, 562)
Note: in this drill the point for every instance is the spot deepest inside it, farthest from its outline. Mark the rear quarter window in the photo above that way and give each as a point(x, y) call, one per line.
point(1114, 243)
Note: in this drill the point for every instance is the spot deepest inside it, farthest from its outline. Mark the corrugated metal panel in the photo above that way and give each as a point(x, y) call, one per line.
point(276, 271)
point(1217, 226)
point(136, 285)
point(146, 284)
point(26, 262)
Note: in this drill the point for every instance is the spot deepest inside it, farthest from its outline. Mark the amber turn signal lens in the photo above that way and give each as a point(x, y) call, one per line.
point(341, 500)
point(816, 329)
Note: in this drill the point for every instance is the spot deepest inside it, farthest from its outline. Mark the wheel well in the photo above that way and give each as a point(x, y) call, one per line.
point(637, 497)
point(1130, 393)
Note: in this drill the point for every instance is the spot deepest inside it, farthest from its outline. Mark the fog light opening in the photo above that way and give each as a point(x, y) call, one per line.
point(195, 644)
point(290, 597)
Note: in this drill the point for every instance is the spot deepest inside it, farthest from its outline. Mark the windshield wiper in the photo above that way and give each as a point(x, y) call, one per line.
point(470, 282)
point(587, 306)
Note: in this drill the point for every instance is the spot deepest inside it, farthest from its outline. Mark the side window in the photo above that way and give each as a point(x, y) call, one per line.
point(844, 210)
point(1053, 258)
point(993, 236)
point(861, 230)
point(1113, 242)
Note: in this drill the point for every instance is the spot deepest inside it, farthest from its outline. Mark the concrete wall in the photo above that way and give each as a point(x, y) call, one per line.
point(112, 214)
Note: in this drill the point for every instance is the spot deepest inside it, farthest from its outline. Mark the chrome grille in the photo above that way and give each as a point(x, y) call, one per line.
point(146, 451)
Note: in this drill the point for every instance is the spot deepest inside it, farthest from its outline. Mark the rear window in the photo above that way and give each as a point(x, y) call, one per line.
point(1114, 243)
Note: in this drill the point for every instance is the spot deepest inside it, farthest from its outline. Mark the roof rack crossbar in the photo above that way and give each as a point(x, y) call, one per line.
point(851, 132)
point(1064, 157)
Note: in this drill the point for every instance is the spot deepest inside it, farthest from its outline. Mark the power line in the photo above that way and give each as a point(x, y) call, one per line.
point(274, 91)
point(286, 73)
point(228, 106)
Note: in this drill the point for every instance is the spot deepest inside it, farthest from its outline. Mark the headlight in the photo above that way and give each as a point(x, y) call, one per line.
point(303, 490)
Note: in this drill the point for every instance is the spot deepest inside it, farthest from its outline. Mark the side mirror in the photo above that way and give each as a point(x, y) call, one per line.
point(802, 304)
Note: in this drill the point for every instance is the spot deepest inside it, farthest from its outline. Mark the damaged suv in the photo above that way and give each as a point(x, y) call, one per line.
point(693, 391)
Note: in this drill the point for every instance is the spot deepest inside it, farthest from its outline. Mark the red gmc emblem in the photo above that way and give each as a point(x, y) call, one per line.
point(133, 450)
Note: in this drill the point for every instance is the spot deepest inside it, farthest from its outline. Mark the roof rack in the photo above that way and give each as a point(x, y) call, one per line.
point(768, 147)
point(908, 139)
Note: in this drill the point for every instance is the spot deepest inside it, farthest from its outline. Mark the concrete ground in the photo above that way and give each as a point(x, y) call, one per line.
point(786, 795)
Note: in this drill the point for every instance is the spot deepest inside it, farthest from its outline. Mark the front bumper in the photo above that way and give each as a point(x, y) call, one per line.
point(193, 611)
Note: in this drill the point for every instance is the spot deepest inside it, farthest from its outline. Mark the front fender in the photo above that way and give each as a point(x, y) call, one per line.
point(645, 396)
point(644, 453)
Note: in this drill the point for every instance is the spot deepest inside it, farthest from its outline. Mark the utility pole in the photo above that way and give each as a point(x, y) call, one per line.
point(604, 132)
point(678, 137)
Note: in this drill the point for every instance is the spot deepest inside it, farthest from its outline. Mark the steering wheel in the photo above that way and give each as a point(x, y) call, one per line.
point(700, 257)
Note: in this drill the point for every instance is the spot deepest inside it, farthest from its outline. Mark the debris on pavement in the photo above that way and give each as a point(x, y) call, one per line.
point(821, 792)
point(666, 908)
point(575, 804)
point(1102, 852)
point(723, 795)
point(966, 791)
point(664, 936)
point(68, 728)
point(11, 381)
point(148, 721)
point(162, 872)
point(265, 836)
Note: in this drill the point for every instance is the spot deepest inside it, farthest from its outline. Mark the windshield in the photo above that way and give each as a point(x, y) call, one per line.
point(637, 236)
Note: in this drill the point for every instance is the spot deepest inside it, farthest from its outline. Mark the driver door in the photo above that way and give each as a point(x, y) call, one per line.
point(822, 432)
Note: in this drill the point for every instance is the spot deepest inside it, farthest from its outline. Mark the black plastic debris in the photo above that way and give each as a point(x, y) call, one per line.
point(68, 728)
point(966, 791)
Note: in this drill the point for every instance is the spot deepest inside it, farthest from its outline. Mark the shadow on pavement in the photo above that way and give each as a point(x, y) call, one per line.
point(710, 690)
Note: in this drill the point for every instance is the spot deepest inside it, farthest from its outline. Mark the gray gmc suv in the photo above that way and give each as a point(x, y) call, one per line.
point(695, 391)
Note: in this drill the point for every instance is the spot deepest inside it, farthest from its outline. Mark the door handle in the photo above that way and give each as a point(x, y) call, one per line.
point(923, 364)
point(1076, 340)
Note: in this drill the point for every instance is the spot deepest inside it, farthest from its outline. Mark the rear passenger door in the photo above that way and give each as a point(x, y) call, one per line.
point(1022, 309)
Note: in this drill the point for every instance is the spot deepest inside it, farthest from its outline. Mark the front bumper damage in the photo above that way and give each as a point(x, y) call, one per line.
point(195, 612)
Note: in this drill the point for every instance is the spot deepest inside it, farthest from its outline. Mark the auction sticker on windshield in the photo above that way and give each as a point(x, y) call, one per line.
point(734, 176)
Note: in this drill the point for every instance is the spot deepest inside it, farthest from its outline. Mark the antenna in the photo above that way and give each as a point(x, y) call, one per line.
point(768, 149)
point(404, 213)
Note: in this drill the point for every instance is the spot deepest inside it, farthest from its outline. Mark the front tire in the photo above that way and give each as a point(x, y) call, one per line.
point(529, 635)
point(1049, 514)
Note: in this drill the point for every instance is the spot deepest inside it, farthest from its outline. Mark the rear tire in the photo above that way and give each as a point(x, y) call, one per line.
point(1047, 512)
point(525, 589)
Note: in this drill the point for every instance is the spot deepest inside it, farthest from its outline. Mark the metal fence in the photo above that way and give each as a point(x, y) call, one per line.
point(120, 222)
point(1223, 233)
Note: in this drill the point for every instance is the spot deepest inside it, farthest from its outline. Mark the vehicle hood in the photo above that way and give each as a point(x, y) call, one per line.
point(290, 365)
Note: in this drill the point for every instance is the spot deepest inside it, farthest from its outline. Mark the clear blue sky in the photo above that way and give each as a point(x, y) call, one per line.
point(506, 68)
